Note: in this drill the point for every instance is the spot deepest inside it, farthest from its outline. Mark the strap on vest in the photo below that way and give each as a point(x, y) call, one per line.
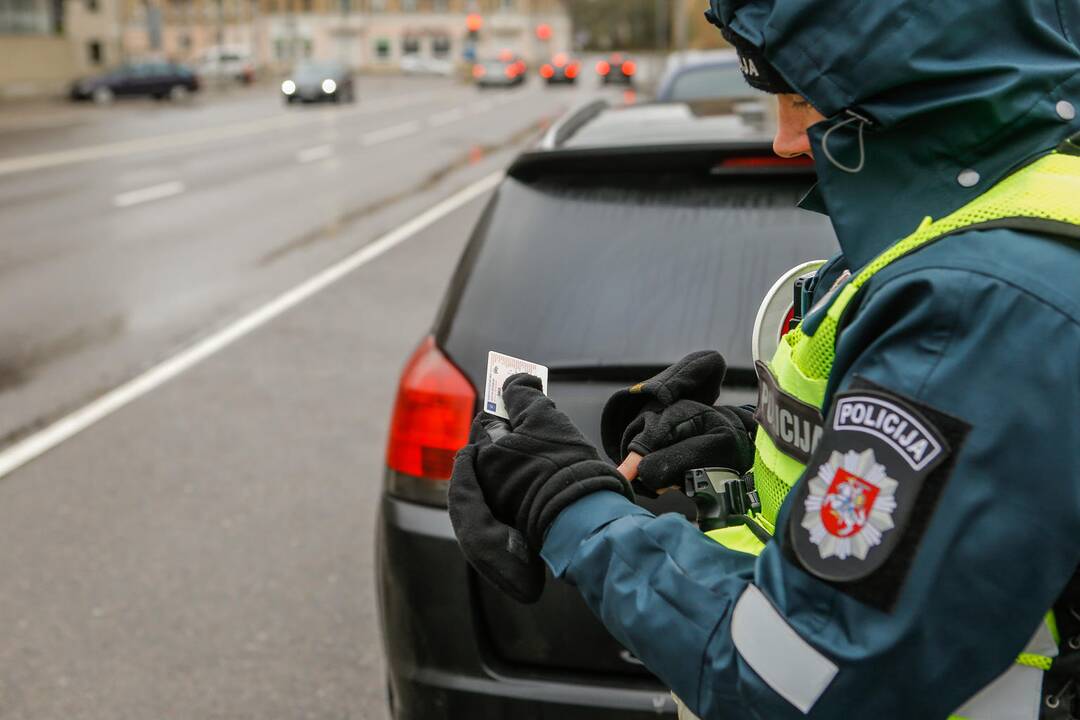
point(1061, 688)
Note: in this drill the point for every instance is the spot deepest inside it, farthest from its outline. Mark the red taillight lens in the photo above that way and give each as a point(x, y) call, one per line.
point(432, 415)
point(629, 68)
point(478, 71)
point(547, 72)
point(572, 71)
point(603, 67)
point(767, 161)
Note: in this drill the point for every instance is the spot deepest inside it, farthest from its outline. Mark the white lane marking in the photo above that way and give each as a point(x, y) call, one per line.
point(146, 194)
point(445, 118)
point(319, 152)
point(394, 132)
point(48, 438)
point(203, 135)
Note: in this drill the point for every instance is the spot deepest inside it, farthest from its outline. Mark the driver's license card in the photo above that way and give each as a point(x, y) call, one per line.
point(501, 367)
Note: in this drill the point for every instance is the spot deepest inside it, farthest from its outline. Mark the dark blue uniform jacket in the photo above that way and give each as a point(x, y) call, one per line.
point(981, 328)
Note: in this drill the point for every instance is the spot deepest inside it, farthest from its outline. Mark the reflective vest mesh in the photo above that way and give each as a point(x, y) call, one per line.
point(1046, 190)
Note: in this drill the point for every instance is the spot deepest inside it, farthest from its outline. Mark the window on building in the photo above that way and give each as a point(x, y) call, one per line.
point(307, 5)
point(441, 6)
point(408, 5)
point(95, 53)
point(410, 45)
point(382, 48)
point(508, 5)
point(377, 5)
point(24, 16)
point(92, 6)
point(440, 46)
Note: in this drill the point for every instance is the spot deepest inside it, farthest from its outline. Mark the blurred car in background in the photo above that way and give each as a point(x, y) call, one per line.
point(703, 76)
point(561, 69)
point(509, 56)
point(617, 69)
point(499, 73)
point(321, 81)
point(415, 64)
point(694, 206)
point(233, 63)
point(156, 79)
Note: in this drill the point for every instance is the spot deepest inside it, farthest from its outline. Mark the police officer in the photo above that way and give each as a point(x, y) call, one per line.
point(926, 529)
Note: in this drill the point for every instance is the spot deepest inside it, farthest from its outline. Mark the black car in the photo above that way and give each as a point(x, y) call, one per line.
point(319, 82)
point(148, 79)
point(629, 238)
point(561, 69)
point(617, 69)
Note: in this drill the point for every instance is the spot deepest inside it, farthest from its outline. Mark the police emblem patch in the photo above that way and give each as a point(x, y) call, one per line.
point(850, 505)
point(876, 456)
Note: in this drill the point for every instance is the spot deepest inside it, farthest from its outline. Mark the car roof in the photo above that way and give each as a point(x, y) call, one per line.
point(713, 122)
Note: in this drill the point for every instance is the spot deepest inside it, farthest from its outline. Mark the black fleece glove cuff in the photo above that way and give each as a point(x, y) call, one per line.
point(514, 478)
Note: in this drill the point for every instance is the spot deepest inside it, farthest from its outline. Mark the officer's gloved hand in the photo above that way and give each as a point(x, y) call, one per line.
point(671, 421)
point(513, 479)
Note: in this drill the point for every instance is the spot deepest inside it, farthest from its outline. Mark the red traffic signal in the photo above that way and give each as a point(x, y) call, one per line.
point(474, 21)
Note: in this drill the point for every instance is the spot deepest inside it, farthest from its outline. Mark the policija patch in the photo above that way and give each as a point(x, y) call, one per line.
point(870, 487)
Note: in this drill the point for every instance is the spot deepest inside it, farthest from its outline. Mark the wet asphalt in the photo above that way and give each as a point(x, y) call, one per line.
point(206, 551)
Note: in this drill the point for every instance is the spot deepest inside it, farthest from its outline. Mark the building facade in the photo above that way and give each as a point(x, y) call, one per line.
point(44, 44)
point(367, 35)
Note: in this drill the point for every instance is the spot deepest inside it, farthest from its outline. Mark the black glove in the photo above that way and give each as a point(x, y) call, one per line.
point(513, 479)
point(670, 420)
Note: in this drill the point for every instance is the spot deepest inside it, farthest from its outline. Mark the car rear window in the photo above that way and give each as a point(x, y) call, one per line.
point(626, 271)
point(707, 83)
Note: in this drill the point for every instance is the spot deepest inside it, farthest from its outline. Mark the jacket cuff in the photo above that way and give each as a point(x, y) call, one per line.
point(579, 521)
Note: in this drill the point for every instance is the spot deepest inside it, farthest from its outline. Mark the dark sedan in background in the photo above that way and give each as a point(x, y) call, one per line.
point(631, 237)
point(561, 69)
point(146, 79)
point(617, 69)
point(319, 82)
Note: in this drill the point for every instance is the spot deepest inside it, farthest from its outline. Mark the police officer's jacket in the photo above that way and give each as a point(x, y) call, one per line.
point(973, 338)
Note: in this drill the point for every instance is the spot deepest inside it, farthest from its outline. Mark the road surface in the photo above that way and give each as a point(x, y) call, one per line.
point(206, 550)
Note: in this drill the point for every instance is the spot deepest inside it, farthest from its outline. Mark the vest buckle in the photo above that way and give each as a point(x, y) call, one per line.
point(723, 498)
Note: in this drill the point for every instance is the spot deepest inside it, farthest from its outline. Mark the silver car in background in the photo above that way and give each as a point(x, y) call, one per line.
point(319, 81)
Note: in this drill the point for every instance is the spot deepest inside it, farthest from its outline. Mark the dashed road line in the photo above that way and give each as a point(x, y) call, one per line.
point(445, 118)
point(394, 132)
point(53, 435)
point(189, 138)
point(146, 194)
point(319, 152)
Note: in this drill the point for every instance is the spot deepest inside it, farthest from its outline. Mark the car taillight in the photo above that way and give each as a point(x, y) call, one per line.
point(432, 415)
point(603, 67)
point(767, 161)
point(478, 71)
point(572, 71)
point(547, 72)
point(629, 68)
point(511, 71)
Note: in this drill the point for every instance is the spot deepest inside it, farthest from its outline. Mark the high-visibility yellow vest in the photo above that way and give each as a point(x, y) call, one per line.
point(1042, 195)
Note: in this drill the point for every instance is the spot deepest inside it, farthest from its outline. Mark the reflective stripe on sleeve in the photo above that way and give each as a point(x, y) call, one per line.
point(787, 663)
point(1015, 695)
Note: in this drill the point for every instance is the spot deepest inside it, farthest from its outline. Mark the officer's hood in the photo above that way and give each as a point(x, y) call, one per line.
point(958, 92)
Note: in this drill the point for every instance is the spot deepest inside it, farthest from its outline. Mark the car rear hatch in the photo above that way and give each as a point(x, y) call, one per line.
point(607, 265)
